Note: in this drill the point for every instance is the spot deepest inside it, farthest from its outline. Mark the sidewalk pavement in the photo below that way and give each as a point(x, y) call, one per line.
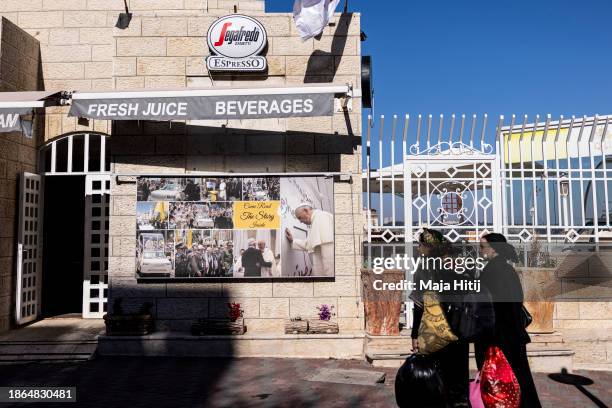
point(152, 382)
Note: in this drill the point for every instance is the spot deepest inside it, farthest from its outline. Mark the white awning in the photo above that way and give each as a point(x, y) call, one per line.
point(15, 104)
point(218, 91)
point(30, 99)
point(210, 103)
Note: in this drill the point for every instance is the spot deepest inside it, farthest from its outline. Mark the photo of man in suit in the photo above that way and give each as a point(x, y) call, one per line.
point(253, 260)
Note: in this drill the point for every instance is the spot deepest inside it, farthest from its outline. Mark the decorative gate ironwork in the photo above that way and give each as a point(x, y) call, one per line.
point(95, 262)
point(452, 191)
point(29, 249)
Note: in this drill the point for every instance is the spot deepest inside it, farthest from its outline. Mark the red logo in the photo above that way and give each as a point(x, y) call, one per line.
point(222, 36)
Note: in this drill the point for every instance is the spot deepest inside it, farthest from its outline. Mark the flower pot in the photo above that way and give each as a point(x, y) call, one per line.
point(129, 325)
point(296, 326)
point(382, 308)
point(323, 327)
point(205, 327)
point(540, 286)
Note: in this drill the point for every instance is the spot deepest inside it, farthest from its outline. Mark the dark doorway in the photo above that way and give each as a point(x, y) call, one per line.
point(63, 231)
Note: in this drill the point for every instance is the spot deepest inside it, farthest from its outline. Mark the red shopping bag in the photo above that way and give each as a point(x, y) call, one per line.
point(498, 384)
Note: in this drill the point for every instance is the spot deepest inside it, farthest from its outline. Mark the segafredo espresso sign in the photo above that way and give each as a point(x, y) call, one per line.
point(236, 42)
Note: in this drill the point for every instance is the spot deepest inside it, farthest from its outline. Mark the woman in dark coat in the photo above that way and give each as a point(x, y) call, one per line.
point(500, 278)
point(454, 358)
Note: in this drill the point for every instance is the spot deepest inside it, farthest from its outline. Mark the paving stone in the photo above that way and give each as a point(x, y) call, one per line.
point(355, 377)
point(247, 382)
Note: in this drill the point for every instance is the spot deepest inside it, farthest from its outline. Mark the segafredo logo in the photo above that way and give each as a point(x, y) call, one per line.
point(236, 41)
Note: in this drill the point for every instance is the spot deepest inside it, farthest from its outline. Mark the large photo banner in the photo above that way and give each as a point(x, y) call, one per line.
point(235, 227)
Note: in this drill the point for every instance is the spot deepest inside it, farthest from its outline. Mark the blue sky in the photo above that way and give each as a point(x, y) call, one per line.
point(499, 57)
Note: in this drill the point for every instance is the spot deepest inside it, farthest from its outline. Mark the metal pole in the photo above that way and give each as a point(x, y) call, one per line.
point(369, 193)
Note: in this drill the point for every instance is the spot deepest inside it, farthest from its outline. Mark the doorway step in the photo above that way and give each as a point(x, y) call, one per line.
point(52, 340)
point(547, 352)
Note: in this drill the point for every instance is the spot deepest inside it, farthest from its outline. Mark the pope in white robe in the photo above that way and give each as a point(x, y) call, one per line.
point(268, 256)
point(319, 243)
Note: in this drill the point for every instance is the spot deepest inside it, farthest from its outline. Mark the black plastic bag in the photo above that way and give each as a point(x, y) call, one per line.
point(418, 384)
point(472, 317)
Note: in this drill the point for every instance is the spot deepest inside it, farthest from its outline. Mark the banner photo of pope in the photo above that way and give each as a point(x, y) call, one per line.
point(235, 227)
point(307, 225)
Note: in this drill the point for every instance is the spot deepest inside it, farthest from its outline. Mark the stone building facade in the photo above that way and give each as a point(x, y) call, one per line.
point(76, 45)
point(164, 46)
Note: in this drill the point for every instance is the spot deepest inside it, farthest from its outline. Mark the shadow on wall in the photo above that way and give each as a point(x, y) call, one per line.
point(20, 58)
point(175, 308)
point(164, 144)
point(40, 119)
point(323, 61)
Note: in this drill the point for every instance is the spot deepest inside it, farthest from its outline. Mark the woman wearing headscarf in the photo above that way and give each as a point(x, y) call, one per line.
point(510, 334)
point(454, 358)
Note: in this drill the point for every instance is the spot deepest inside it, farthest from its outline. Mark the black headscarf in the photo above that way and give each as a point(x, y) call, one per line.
point(500, 244)
point(435, 241)
point(439, 247)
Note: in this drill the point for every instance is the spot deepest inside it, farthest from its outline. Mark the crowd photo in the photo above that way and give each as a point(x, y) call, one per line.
point(200, 215)
point(189, 189)
point(261, 189)
point(152, 215)
point(201, 254)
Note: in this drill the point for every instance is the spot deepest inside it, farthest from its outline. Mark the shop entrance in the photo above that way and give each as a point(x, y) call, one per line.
point(63, 231)
point(75, 197)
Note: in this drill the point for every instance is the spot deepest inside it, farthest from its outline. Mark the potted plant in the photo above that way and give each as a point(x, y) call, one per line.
point(324, 325)
point(233, 324)
point(120, 323)
point(382, 307)
point(540, 285)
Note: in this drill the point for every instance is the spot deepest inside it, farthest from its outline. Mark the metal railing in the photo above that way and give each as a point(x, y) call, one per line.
point(540, 179)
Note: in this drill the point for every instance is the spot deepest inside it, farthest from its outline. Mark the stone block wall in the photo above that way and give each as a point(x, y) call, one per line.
point(170, 51)
point(19, 71)
point(587, 329)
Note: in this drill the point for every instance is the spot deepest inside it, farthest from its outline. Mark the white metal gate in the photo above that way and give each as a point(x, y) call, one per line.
point(95, 273)
point(454, 192)
point(29, 249)
point(86, 154)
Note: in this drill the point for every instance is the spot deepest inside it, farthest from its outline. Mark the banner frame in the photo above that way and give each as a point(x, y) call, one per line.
point(337, 177)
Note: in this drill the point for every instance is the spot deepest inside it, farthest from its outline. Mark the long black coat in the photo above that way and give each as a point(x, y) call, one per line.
point(502, 281)
point(500, 278)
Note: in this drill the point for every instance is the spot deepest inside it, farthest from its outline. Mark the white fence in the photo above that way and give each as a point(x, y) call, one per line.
point(541, 179)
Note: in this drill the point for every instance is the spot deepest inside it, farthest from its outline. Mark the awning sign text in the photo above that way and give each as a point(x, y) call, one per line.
point(205, 107)
point(10, 119)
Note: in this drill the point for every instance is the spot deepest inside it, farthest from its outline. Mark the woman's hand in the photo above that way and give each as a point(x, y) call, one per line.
point(415, 345)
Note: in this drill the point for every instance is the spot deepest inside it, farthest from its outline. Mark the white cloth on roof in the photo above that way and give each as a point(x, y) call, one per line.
point(312, 16)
